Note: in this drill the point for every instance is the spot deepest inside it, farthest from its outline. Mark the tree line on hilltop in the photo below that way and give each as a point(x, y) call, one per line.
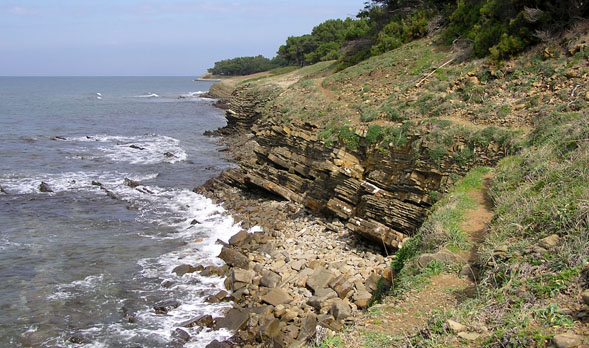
point(497, 28)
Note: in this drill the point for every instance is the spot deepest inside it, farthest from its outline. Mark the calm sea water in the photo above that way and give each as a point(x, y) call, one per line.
point(75, 263)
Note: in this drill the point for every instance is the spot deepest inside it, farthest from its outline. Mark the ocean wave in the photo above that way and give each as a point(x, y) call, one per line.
point(69, 181)
point(201, 244)
point(67, 291)
point(147, 95)
point(141, 149)
point(192, 94)
point(177, 208)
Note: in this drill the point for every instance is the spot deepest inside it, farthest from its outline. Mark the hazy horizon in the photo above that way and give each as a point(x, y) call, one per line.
point(149, 37)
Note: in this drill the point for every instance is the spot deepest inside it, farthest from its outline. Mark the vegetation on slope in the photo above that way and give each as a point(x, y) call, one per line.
point(499, 28)
point(533, 263)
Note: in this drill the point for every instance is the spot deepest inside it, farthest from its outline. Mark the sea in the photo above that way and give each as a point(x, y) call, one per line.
point(85, 264)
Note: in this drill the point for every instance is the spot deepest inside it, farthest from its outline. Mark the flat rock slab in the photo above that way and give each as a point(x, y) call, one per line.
point(270, 279)
point(239, 238)
point(183, 269)
point(321, 296)
point(341, 310)
point(319, 279)
point(567, 340)
point(276, 297)
point(235, 319)
point(234, 258)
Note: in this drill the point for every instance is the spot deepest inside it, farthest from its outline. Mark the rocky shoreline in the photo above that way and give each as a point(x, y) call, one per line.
point(301, 278)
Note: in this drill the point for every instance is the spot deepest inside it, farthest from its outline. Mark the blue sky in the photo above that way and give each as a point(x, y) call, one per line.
point(149, 37)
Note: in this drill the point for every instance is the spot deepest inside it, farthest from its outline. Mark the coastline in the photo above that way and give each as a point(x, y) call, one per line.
point(300, 275)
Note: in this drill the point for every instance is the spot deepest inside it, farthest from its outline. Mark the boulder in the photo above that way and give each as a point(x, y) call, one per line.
point(211, 299)
point(221, 295)
point(443, 256)
point(234, 320)
point(239, 238)
point(242, 275)
point(469, 336)
point(217, 344)
point(341, 310)
point(328, 321)
point(289, 315)
point(165, 306)
point(183, 269)
point(276, 297)
point(131, 183)
point(362, 298)
point(44, 187)
point(319, 279)
point(372, 282)
point(567, 340)
point(321, 296)
point(549, 242)
point(180, 335)
point(341, 286)
point(234, 258)
point(308, 327)
point(454, 326)
point(79, 339)
point(270, 330)
point(202, 321)
point(270, 279)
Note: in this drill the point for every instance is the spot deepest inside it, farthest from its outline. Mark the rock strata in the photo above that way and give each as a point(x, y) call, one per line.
point(331, 218)
point(300, 273)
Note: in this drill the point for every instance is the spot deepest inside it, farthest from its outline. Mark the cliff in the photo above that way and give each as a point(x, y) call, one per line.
point(374, 154)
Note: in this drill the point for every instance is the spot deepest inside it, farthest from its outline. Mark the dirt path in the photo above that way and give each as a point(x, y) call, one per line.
point(389, 324)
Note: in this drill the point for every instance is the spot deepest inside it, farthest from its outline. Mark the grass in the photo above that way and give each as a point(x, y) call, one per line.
point(539, 192)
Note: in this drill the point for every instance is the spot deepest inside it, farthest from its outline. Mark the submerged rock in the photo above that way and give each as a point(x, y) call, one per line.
point(44, 187)
point(202, 321)
point(131, 183)
point(183, 269)
point(79, 339)
point(2, 190)
point(181, 335)
point(165, 306)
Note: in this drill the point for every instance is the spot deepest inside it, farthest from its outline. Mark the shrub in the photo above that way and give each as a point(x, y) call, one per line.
point(401, 30)
point(374, 134)
point(348, 137)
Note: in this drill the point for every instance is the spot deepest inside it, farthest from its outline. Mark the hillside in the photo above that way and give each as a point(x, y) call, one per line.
point(459, 188)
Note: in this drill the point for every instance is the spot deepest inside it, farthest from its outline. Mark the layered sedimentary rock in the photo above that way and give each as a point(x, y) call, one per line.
point(382, 195)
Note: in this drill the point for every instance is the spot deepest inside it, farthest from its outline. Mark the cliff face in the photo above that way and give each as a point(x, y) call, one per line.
point(380, 193)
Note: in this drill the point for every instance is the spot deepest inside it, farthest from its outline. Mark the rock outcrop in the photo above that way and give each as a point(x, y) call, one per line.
point(382, 195)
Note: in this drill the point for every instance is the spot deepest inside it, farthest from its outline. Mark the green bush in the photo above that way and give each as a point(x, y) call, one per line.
point(374, 134)
point(401, 30)
point(348, 137)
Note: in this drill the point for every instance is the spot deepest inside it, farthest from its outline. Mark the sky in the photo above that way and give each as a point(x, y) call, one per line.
point(149, 37)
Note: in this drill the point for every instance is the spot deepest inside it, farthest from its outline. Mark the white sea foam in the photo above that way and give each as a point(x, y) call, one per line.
point(176, 208)
point(201, 245)
point(148, 95)
point(69, 181)
point(66, 291)
point(192, 94)
point(141, 149)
